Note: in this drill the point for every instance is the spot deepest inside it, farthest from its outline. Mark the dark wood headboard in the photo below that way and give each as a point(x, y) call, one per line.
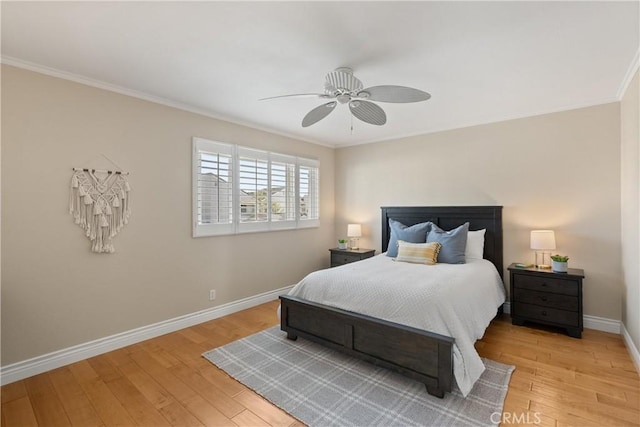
point(449, 217)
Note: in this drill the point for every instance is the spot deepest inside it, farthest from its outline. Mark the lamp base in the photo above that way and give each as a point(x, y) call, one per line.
point(353, 243)
point(543, 260)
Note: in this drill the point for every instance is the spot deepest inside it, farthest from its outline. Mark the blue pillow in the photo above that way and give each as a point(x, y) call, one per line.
point(454, 243)
point(414, 234)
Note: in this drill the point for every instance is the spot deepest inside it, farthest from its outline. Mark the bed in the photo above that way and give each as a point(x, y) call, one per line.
point(418, 353)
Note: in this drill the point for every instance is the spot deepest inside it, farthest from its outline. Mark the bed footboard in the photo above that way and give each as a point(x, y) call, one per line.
point(421, 355)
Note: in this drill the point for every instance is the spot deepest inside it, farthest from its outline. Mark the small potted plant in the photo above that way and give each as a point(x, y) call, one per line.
point(559, 263)
point(342, 244)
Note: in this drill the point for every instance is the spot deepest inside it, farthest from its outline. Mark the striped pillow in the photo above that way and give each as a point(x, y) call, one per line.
point(418, 253)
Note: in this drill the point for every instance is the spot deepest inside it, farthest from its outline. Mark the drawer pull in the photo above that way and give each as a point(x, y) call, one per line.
point(543, 284)
point(543, 299)
point(544, 312)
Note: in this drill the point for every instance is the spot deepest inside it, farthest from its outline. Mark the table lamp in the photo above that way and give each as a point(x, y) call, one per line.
point(543, 241)
point(354, 231)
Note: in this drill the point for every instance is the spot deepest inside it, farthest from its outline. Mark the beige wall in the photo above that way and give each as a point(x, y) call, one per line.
point(559, 171)
point(55, 292)
point(630, 188)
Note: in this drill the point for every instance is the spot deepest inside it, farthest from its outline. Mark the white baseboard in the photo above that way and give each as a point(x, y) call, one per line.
point(633, 350)
point(37, 365)
point(601, 324)
point(590, 322)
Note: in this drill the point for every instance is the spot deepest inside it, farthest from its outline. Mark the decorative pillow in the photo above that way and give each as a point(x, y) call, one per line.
point(415, 234)
point(418, 253)
point(475, 245)
point(454, 243)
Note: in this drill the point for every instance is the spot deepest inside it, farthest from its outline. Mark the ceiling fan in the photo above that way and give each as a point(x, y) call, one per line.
point(341, 86)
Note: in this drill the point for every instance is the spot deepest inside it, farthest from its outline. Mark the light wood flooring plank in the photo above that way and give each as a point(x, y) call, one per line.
point(157, 395)
point(209, 391)
point(13, 391)
point(247, 418)
point(18, 412)
point(178, 415)
point(272, 415)
point(46, 402)
point(139, 408)
point(75, 402)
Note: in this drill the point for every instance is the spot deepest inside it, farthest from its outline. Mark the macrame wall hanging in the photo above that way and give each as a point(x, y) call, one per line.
point(99, 203)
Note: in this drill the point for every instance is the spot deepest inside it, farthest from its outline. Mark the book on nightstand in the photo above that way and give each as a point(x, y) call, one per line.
point(521, 265)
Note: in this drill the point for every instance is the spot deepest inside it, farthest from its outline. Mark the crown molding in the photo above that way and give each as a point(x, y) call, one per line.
point(65, 75)
point(487, 121)
point(53, 72)
point(631, 71)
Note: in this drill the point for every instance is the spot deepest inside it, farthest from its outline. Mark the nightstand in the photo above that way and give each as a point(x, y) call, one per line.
point(543, 296)
point(345, 256)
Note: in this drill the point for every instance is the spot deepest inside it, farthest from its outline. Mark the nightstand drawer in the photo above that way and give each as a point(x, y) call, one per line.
point(546, 314)
point(547, 299)
point(344, 258)
point(546, 284)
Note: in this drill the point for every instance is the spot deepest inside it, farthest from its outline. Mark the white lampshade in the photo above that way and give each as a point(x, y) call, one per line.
point(543, 239)
point(354, 230)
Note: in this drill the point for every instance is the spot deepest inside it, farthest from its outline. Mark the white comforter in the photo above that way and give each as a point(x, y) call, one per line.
point(454, 300)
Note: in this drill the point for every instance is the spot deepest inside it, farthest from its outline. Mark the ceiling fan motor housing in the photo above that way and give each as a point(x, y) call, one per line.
point(342, 84)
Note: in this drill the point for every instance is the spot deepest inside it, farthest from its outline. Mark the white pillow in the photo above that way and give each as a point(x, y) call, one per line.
point(475, 244)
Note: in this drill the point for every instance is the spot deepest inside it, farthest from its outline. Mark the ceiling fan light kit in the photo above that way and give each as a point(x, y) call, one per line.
point(346, 88)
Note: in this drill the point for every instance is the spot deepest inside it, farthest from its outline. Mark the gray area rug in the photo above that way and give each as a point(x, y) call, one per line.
point(322, 387)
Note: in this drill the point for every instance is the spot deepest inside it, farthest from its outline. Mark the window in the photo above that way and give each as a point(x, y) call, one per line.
point(308, 178)
point(212, 188)
point(238, 189)
point(283, 188)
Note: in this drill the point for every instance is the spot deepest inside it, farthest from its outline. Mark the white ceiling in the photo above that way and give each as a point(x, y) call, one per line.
point(481, 61)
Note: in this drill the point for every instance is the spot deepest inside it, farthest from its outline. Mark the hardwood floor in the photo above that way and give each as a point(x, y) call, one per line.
point(559, 381)
point(565, 381)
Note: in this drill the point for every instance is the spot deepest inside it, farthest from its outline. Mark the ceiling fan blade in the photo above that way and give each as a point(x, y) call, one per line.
point(368, 112)
point(316, 95)
point(318, 113)
point(398, 94)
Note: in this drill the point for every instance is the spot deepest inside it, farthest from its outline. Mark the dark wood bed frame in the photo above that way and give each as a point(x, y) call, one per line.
point(415, 353)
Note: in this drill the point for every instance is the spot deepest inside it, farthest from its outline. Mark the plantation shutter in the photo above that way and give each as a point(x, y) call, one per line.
point(309, 197)
point(254, 194)
point(283, 191)
point(212, 174)
point(239, 189)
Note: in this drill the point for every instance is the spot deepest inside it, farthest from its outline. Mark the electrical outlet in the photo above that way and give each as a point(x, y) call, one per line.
point(212, 294)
